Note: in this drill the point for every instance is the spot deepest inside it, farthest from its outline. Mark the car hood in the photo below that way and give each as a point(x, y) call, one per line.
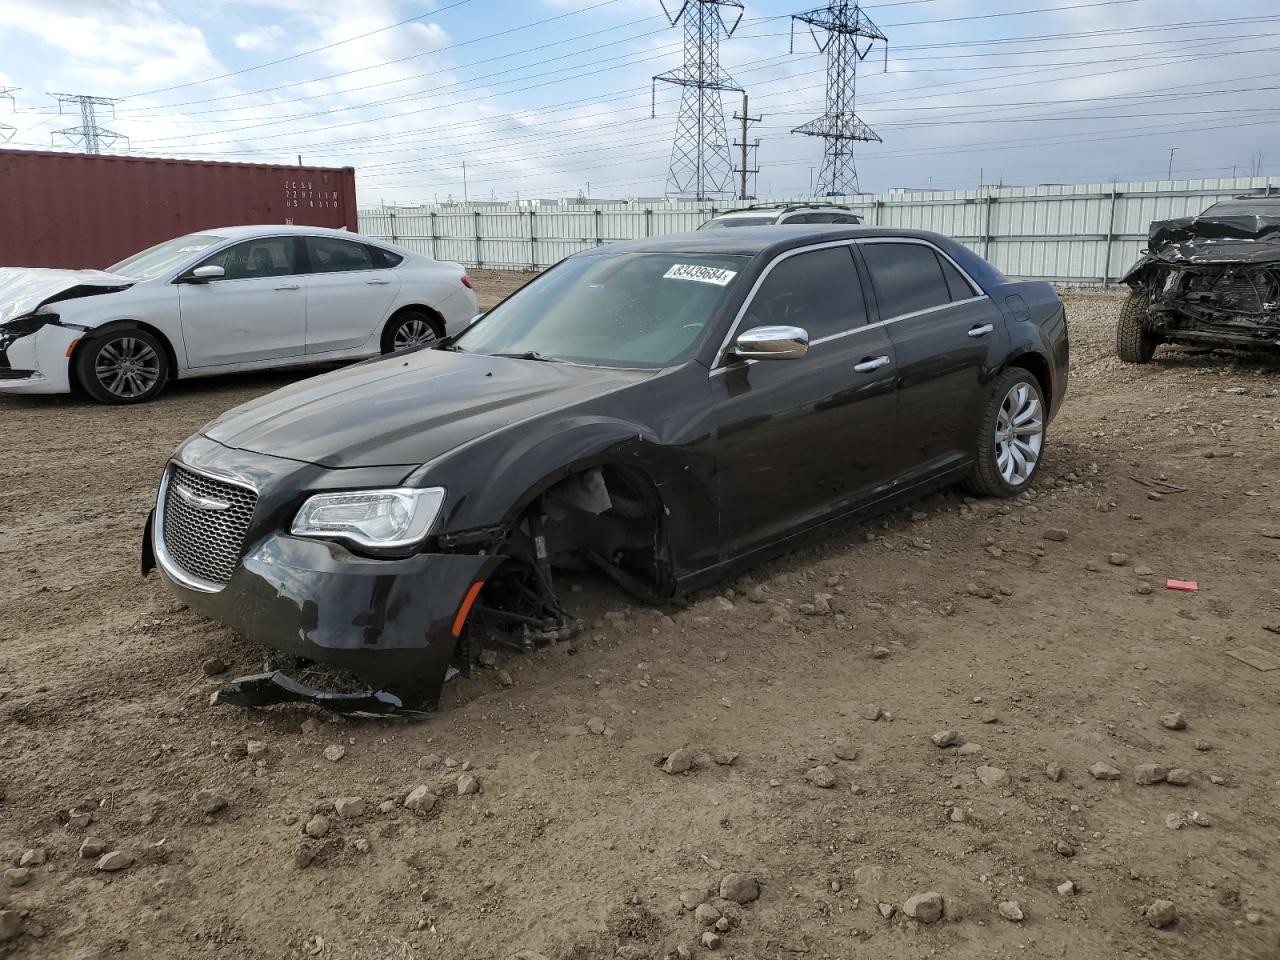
point(1216, 238)
point(410, 408)
point(24, 290)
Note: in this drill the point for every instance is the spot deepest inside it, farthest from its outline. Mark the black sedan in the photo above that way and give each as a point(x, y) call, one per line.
point(664, 411)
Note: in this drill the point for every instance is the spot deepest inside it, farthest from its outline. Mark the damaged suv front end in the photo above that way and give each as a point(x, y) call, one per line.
point(1211, 280)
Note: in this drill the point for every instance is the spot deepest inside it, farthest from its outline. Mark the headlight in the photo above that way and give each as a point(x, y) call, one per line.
point(371, 518)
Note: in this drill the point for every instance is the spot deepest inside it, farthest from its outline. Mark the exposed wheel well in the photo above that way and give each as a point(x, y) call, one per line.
point(96, 332)
point(1038, 367)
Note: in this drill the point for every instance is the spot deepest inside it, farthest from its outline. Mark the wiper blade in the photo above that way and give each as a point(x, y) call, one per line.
point(528, 355)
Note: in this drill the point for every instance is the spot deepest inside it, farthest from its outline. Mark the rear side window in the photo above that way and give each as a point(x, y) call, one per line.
point(385, 259)
point(907, 277)
point(818, 291)
point(960, 287)
point(331, 255)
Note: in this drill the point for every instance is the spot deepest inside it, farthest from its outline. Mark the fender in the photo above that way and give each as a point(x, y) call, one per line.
point(679, 471)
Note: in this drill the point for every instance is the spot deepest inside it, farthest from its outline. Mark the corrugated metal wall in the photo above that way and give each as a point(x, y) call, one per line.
point(1081, 233)
point(90, 210)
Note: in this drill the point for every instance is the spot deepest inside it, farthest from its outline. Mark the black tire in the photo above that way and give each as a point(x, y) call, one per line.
point(124, 365)
point(405, 330)
point(991, 476)
point(1134, 342)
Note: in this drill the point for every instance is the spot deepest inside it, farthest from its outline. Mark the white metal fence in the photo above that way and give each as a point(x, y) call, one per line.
point(1082, 233)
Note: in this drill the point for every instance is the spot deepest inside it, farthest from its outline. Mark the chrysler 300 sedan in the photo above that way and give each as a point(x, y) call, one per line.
point(663, 411)
point(222, 301)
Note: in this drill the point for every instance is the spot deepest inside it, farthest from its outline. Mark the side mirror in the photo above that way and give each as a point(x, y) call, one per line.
point(202, 274)
point(772, 343)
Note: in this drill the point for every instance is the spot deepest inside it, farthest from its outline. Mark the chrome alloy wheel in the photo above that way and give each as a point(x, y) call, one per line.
point(1019, 434)
point(127, 367)
point(413, 332)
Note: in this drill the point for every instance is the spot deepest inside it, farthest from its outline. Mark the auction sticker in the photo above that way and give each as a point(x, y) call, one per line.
point(691, 271)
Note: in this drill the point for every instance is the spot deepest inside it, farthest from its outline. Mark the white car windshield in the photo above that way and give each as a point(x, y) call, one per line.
point(161, 258)
point(624, 310)
point(721, 222)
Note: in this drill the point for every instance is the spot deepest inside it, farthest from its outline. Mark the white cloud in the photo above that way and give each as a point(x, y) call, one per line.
point(260, 38)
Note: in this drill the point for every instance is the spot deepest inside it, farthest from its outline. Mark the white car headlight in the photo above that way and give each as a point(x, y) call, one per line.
point(371, 518)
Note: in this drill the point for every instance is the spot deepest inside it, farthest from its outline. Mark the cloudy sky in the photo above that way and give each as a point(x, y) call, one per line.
point(546, 98)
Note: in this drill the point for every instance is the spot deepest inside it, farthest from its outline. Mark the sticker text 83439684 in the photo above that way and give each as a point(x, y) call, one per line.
point(700, 274)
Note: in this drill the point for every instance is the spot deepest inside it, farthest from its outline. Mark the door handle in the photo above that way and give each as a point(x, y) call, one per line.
point(871, 363)
point(377, 283)
point(289, 286)
point(981, 331)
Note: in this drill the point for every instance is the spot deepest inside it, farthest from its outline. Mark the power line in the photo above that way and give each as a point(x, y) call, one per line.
point(304, 53)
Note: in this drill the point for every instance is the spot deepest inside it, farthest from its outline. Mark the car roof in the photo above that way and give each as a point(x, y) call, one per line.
point(280, 229)
point(753, 241)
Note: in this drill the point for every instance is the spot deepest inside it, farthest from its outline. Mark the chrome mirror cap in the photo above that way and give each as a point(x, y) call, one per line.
point(772, 343)
point(210, 271)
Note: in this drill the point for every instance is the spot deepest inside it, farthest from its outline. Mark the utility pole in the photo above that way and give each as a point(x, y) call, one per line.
point(746, 119)
point(88, 135)
point(701, 163)
point(7, 131)
point(1172, 151)
point(849, 37)
point(464, 181)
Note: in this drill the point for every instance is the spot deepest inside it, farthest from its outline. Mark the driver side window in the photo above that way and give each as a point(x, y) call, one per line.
point(818, 291)
point(267, 257)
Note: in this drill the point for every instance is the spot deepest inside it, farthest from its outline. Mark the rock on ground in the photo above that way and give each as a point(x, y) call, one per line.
point(925, 907)
point(1104, 771)
point(821, 776)
point(349, 808)
point(1173, 721)
point(420, 800)
point(468, 784)
point(1145, 774)
point(992, 776)
point(1161, 913)
point(679, 761)
point(10, 925)
point(740, 888)
point(113, 861)
point(208, 801)
point(1011, 911)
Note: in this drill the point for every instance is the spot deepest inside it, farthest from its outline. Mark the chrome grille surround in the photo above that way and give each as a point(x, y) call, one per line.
point(201, 523)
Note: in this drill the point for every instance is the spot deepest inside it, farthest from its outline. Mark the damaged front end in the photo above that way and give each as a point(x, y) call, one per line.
point(1213, 280)
point(375, 635)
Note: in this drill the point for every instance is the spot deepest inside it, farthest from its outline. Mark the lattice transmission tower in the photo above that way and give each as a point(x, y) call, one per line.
point(849, 37)
point(8, 130)
point(89, 136)
point(701, 162)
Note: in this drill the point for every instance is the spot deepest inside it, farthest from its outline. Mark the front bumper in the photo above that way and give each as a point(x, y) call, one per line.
point(389, 622)
point(43, 358)
point(393, 623)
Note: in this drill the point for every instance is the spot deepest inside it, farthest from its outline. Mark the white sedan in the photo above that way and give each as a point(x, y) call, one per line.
point(222, 301)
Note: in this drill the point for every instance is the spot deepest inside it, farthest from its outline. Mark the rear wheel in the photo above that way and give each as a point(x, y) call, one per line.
point(1011, 437)
point(1134, 342)
point(122, 366)
point(411, 328)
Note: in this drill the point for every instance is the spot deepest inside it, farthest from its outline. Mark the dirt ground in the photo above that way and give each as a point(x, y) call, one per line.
point(952, 615)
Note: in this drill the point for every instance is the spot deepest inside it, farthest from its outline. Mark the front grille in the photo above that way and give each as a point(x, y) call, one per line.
point(204, 540)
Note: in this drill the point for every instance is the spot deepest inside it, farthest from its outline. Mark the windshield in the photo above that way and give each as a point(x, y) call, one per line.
point(163, 257)
point(721, 222)
point(624, 310)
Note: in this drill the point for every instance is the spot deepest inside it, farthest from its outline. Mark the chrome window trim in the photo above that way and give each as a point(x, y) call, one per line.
point(718, 365)
point(166, 563)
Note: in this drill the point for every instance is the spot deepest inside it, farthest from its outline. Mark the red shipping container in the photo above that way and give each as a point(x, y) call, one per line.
point(86, 210)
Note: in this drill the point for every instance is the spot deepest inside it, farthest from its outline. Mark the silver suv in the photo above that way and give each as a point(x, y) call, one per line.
point(761, 215)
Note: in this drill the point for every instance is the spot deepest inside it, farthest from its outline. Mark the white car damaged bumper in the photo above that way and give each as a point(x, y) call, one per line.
point(36, 360)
